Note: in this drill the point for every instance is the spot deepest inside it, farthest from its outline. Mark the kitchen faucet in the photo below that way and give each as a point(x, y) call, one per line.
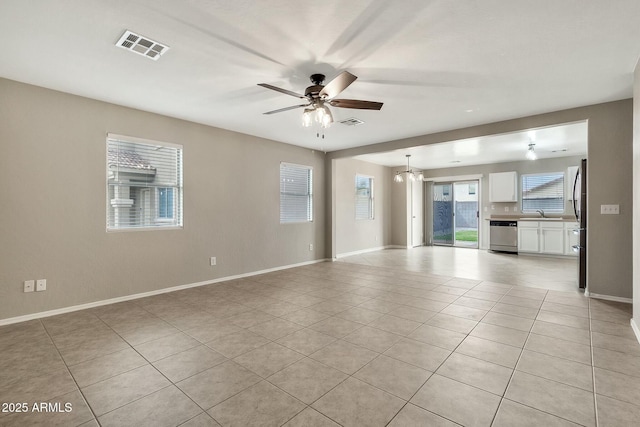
point(541, 212)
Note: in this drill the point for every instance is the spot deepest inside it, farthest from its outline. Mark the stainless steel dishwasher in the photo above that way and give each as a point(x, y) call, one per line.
point(503, 236)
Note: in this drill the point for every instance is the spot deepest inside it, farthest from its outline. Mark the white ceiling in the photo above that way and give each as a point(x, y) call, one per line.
point(564, 140)
point(436, 65)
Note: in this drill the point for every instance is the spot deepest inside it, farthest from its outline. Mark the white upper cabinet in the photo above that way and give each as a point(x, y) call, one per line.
point(503, 187)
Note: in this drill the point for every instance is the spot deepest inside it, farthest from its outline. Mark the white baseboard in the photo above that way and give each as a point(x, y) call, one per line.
point(608, 297)
point(636, 329)
point(49, 313)
point(362, 251)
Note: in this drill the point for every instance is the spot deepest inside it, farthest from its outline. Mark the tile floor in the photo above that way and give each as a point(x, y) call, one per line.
point(373, 340)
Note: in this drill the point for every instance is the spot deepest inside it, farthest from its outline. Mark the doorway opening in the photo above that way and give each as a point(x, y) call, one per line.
point(455, 213)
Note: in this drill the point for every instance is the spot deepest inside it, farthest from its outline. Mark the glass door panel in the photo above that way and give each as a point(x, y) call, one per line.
point(443, 214)
point(465, 196)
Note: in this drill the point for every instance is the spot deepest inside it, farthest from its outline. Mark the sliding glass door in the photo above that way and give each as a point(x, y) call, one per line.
point(455, 214)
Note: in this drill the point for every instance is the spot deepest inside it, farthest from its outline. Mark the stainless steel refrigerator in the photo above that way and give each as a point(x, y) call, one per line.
point(580, 211)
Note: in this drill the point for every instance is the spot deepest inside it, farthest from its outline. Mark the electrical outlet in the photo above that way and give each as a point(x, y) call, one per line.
point(41, 285)
point(213, 261)
point(29, 285)
point(515, 209)
point(310, 246)
point(506, 208)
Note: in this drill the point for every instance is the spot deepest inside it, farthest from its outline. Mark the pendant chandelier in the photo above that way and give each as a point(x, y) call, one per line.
point(411, 176)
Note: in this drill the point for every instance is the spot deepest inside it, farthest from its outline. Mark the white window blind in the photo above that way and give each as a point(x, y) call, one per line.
point(144, 184)
point(364, 197)
point(543, 191)
point(296, 193)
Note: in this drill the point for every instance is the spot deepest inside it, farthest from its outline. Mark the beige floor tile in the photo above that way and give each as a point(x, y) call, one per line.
point(521, 302)
point(456, 401)
point(67, 323)
point(91, 347)
point(305, 317)
point(565, 309)
point(559, 348)
point(465, 312)
point(438, 296)
point(564, 298)
point(515, 310)
point(268, 359)
point(101, 368)
point(453, 323)
point(115, 392)
point(475, 372)
point(556, 369)
point(552, 397)
point(307, 380)
point(616, 361)
point(80, 413)
point(210, 387)
point(202, 420)
point(617, 386)
point(373, 339)
point(419, 354)
point(500, 334)
point(512, 414)
point(189, 362)
point(567, 333)
point(610, 328)
point(614, 413)
point(304, 300)
point(306, 341)
point(351, 299)
point(393, 376)
point(483, 295)
point(452, 290)
point(355, 403)
point(615, 343)
point(437, 336)
point(250, 318)
point(211, 331)
point(276, 328)
point(475, 303)
point(413, 416)
point(167, 407)
point(280, 308)
point(147, 333)
point(513, 322)
point(344, 356)
point(622, 318)
point(490, 351)
point(359, 315)
point(260, 405)
point(310, 418)
point(237, 343)
point(36, 389)
point(563, 319)
point(379, 305)
point(426, 304)
point(336, 327)
point(414, 314)
point(166, 346)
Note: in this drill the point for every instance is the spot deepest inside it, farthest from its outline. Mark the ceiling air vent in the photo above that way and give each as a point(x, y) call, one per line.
point(352, 122)
point(141, 45)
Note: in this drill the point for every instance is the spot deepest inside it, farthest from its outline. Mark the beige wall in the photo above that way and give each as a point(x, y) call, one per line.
point(524, 167)
point(52, 170)
point(636, 201)
point(609, 179)
point(358, 235)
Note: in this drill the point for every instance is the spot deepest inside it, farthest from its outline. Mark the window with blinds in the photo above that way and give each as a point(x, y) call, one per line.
point(296, 193)
point(144, 184)
point(543, 191)
point(364, 197)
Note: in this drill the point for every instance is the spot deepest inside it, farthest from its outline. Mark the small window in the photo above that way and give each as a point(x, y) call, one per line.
point(144, 184)
point(364, 197)
point(543, 192)
point(296, 193)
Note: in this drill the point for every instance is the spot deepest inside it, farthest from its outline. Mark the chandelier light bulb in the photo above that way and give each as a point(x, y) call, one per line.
point(531, 154)
point(306, 117)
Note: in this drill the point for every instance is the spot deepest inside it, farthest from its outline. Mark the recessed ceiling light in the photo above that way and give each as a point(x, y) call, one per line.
point(561, 150)
point(352, 122)
point(470, 110)
point(454, 161)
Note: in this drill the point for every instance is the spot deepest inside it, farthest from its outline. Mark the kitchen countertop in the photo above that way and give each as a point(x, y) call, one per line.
point(529, 218)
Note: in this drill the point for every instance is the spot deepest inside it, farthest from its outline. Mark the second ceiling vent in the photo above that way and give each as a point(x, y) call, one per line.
point(142, 45)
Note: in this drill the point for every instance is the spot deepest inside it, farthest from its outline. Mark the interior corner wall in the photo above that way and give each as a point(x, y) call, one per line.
point(53, 209)
point(636, 202)
point(353, 236)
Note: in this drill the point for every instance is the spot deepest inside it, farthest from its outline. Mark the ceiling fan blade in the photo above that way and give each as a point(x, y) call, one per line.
point(355, 103)
point(286, 109)
point(337, 85)
point(285, 91)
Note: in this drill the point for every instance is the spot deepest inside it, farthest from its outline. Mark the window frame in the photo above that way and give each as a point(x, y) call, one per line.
point(308, 194)
point(370, 199)
point(546, 210)
point(155, 222)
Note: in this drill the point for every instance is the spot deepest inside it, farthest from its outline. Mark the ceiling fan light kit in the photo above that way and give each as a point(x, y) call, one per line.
point(320, 96)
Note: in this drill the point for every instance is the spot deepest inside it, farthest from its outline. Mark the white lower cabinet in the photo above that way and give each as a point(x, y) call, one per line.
point(570, 238)
point(528, 236)
point(542, 237)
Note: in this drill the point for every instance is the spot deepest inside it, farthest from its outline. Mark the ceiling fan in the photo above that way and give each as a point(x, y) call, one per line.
point(319, 96)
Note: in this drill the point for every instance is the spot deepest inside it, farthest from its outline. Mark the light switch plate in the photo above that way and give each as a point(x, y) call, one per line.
point(610, 209)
